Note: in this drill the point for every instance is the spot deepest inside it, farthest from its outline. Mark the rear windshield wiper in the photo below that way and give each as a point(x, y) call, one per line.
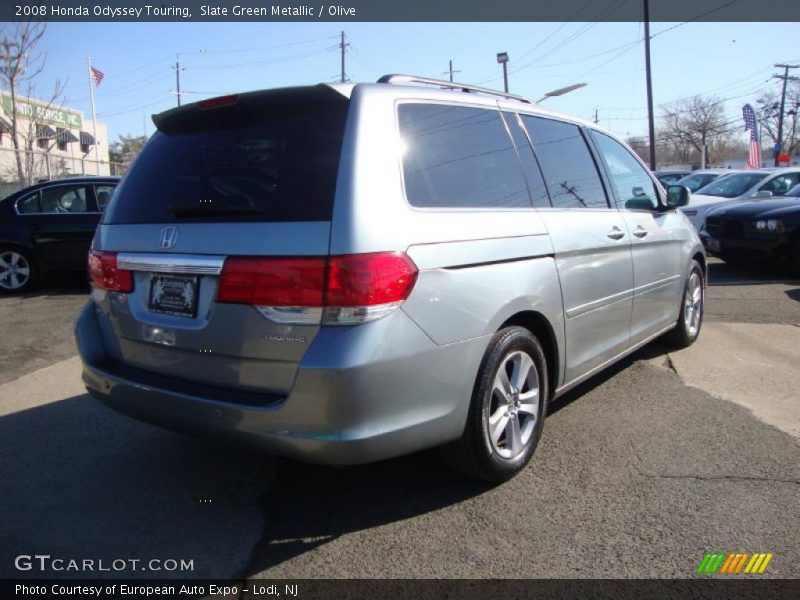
point(202, 210)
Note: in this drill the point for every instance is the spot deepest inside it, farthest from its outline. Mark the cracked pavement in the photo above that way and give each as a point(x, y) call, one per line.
point(637, 475)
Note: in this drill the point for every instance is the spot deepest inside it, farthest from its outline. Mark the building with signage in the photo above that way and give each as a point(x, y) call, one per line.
point(54, 142)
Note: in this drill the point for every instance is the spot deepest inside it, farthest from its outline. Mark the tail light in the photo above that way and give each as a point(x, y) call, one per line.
point(340, 290)
point(105, 275)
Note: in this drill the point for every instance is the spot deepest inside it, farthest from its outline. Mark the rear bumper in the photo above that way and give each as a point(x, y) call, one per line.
point(361, 394)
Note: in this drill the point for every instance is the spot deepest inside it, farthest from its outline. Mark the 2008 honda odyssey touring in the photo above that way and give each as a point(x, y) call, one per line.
point(346, 273)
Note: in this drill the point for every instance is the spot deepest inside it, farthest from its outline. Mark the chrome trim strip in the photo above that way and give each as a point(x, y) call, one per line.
point(577, 311)
point(195, 264)
point(580, 379)
point(655, 285)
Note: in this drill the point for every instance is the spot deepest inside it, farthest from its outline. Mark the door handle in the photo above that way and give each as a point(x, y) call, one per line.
point(640, 232)
point(616, 233)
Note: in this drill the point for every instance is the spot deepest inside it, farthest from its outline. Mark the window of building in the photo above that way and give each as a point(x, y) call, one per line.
point(567, 164)
point(459, 157)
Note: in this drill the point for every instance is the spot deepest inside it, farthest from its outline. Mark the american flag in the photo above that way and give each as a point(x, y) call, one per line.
point(96, 76)
point(754, 159)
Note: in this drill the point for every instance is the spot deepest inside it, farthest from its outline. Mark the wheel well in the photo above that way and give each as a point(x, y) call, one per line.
point(702, 260)
point(539, 326)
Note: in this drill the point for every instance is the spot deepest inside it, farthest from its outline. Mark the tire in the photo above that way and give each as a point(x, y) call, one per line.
point(18, 271)
point(794, 260)
point(690, 318)
point(506, 413)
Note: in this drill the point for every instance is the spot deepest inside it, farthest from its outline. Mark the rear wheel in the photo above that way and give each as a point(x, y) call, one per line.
point(17, 270)
point(507, 410)
point(794, 259)
point(692, 307)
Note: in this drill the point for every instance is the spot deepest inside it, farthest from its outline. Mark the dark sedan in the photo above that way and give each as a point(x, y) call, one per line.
point(756, 229)
point(49, 227)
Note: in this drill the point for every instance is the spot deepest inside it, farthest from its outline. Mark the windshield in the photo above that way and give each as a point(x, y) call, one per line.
point(265, 162)
point(696, 181)
point(731, 186)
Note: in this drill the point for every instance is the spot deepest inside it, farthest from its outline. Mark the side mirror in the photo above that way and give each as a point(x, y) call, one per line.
point(677, 196)
point(763, 194)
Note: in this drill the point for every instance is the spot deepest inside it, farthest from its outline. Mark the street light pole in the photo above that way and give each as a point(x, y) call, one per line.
point(561, 91)
point(502, 58)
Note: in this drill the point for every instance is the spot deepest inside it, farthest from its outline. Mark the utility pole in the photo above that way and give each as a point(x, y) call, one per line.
point(451, 71)
point(596, 116)
point(178, 70)
point(343, 45)
point(785, 77)
point(651, 126)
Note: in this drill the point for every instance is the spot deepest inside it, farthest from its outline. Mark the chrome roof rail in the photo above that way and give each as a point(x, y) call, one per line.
point(464, 87)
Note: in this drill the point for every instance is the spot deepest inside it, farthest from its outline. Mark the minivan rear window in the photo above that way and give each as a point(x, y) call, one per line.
point(258, 160)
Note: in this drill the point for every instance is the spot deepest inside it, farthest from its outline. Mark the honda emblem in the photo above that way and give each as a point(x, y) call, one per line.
point(169, 235)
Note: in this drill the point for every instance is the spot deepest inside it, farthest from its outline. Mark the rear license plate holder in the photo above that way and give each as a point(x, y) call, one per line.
point(173, 295)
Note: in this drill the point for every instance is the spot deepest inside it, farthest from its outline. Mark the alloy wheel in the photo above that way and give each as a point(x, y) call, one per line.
point(514, 405)
point(15, 271)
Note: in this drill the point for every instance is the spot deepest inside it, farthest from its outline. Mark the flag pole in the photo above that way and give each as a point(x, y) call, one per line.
point(94, 116)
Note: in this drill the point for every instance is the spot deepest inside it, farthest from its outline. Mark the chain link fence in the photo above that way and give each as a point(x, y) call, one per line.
point(44, 166)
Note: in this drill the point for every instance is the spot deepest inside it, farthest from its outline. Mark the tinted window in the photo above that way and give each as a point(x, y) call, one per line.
point(530, 166)
point(458, 156)
point(633, 186)
point(696, 181)
point(569, 170)
point(255, 161)
point(64, 199)
point(104, 193)
point(730, 186)
point(29, 204)
point(781, 184)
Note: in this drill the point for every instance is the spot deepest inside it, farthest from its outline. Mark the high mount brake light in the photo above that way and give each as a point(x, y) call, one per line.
point(219, 101)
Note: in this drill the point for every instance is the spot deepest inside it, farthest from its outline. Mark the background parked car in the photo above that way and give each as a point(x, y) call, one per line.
point(49, 227)
point(745, 185)
point(703, 177)
point(669, 177)
point(752, 230)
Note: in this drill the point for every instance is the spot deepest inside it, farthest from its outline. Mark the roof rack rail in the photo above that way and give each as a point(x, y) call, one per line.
point(464, 87)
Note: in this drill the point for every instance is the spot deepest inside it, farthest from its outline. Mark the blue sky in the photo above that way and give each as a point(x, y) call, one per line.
point(729, 60)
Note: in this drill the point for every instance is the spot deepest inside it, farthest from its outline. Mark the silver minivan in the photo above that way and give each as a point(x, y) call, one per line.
point(347, 273)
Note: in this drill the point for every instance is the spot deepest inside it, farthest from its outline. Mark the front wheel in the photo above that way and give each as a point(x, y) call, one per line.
point(690, 318)
point(506, 414)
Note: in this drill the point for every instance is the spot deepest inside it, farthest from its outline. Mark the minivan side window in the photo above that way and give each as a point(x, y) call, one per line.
point(635, 189)
point(567, 164)
point(459, 157)
point(530, 166)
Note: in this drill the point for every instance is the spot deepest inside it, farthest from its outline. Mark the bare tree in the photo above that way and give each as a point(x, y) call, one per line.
point(20, 64)
point(695, 123)
point(768, 112)
point(125, 149)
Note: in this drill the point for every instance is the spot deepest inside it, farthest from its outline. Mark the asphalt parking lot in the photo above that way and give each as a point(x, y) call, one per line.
point(640, 471)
